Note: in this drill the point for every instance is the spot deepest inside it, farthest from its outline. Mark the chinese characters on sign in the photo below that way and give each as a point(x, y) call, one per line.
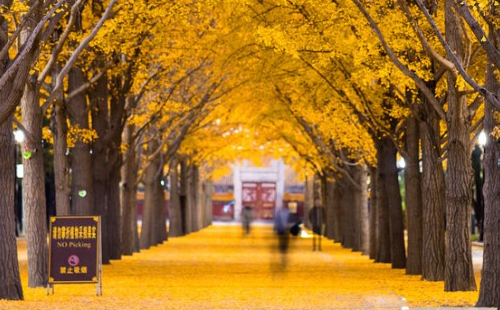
point(75, 249)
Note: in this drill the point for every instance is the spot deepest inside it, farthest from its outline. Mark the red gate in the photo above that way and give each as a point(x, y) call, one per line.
point(261, 196)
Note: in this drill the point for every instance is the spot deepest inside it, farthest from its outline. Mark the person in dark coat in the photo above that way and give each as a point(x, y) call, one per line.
point(281, 227)
point(317, 220)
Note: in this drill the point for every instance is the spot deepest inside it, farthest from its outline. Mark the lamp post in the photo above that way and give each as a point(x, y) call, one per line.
point(19, 206)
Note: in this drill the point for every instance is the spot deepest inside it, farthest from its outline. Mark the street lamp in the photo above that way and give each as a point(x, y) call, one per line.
point(482, 139)
point(401, 163)
point(19, 136)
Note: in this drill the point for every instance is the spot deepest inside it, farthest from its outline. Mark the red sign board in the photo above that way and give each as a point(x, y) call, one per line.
point(75, 249)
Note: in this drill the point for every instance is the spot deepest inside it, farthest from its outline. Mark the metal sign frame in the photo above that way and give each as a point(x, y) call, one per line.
point(98, 281)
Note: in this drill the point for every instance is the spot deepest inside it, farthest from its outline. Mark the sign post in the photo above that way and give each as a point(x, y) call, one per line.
point(75, 255)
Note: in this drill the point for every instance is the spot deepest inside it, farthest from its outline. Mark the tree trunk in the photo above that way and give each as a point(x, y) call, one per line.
point(161, 217)
point(185, 211)
point(10, 285)
point(433, 200)
point(396, 218)
point(82, 189)
point(99, 155)
point(329, 206)
point(383, 228)
point(175, 220)
point(373, 213)
point(200, 200)
point(459, 274)
point(113, 215)
point(148, 234)
point(59, 128)
point(413, 198)
point(128, 172)
point(193, 196)
point(347, 219)
point(363, 211)
point(34, 186)
point(309, 201)
point(209, 203)
point(135, 219)
point(489, 294)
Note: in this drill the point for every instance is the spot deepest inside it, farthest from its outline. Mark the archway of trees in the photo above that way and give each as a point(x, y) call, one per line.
point(115, 94)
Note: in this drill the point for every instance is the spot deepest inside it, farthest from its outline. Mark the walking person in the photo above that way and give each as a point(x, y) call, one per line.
point(281, 227)
point(317, 219)
point(247, 217)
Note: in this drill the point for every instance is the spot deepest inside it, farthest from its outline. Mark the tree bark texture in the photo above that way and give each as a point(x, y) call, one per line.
point(148, 233)
point(10, 285)
point(200, 200)
point(34, 186)
point(489, 293)
point(396, 217)
point(193, 196)
point(433, 249)
point(161, 218)
point(363, 211)
point(413, 198)
point(113, 143)
point(208, 202)
point(309, 201)
point(459, 275)
point(99, 114)
point(373, 213)
point(184, 190)
point(113, 215)
point(129, 178)
point(59, 128)
point(348, 220)
point(330, 206)
point(82, 188)
point(383, 226)
point(175, 220)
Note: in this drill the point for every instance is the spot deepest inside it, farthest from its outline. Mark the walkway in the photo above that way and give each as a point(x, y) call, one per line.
point(218, 268)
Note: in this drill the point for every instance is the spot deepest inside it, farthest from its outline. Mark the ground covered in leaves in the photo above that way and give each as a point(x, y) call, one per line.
point(219, 268)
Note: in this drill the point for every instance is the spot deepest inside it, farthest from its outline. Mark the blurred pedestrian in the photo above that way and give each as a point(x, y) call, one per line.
point(246, 218)
point(317, 218)
point(281, 227)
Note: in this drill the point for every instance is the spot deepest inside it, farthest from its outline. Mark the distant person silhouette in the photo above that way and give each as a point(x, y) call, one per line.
point(246, 218)
point(316, 218)
point(281, 227)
